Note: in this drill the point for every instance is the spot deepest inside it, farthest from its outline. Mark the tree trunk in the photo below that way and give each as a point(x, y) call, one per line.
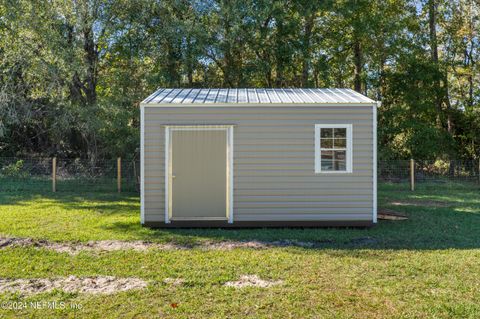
point(307, 34)
point(189, 62)
point(357, 58)
point(432, 23)
point(91, 59)
point(279, 56)
point(173, 56)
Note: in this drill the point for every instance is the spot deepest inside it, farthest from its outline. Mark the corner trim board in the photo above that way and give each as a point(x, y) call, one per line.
point(142, 165)
point(374, 168)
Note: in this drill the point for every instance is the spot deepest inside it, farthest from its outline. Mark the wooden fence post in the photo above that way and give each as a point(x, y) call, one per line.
point(412, 174)
point(54, 174)
point(479, 170)
point(119, 174)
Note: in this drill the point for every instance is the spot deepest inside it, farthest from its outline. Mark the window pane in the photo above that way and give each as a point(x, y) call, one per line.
point(327, 161)
point(341, 132)
point(340, 155)
point(340, 143)
point(327, 165)
point(326, 143)
point(326, 132)
point(328, 155)
point(340, 166)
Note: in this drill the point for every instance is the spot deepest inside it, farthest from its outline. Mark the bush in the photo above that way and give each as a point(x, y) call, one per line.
point(14, 170)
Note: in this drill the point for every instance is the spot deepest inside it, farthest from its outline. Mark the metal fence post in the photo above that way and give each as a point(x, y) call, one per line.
point(412, 174)
point(479, 170)
point(54, 174)
point(119, 174)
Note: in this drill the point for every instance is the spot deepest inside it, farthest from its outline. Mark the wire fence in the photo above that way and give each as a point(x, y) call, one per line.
point(411, 174)
point(106, 175)
point(72, 175)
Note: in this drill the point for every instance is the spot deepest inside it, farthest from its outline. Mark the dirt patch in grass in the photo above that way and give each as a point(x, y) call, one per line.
point(228, 245)
point(421, 202)
point(72, 284)
point(174, 281)
point(113, 245)
point(73, 248)
point(252, 281)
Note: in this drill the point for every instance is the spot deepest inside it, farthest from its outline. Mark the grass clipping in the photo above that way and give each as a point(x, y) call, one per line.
point(72, 284)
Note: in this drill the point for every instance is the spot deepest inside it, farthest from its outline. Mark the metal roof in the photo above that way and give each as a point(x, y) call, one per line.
point(256, 96)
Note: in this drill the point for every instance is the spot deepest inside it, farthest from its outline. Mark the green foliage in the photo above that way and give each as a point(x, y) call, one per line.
point(408, 124)
point(72, 74)
point(14, 170)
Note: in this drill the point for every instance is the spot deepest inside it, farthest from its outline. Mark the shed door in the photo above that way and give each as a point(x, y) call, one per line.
point(199, 174)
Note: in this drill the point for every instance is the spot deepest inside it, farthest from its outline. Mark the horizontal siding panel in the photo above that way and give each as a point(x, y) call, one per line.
point(154, 217)
point(302, 198)
point(260, 116)
point(300, 217)
point(302, 175)
point(284, 154)
point(307, 149)
point(155, 197)
point(287, 192)
point(272, 127)
point(155, 187)
point(154, 208)
point(154, 155)
point(303, 210)
point(272, 120)
point(304, 168)
point(293, 142)
point(279, 161)
point(303, 205)
point(157, 206)
point(266, 187)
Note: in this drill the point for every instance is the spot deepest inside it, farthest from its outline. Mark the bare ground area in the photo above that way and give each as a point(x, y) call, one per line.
point(113, 245)
point(72, 284)
point(252, 281)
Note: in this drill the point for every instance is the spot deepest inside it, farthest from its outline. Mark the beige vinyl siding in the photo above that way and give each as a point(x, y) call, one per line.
point(274, 158)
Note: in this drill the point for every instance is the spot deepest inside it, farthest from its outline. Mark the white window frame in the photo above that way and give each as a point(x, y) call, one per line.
point(318, 157)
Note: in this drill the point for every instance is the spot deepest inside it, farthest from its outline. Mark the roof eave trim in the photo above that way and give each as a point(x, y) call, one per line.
point(257, 104)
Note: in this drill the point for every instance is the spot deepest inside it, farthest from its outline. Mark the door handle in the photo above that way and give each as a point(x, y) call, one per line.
point(173, 176)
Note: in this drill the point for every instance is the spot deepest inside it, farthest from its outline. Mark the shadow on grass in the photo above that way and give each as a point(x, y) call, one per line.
point(103, 202)
point(453, 225)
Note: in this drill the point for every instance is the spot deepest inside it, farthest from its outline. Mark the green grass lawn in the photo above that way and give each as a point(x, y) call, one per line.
point(427, 266)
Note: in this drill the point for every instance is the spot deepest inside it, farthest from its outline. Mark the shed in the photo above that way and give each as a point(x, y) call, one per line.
point(258, 158)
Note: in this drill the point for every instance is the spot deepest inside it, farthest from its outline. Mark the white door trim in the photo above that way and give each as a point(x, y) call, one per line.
point(168, 166)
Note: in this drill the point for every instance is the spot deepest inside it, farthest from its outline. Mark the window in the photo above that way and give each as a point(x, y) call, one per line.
point(333, 148)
